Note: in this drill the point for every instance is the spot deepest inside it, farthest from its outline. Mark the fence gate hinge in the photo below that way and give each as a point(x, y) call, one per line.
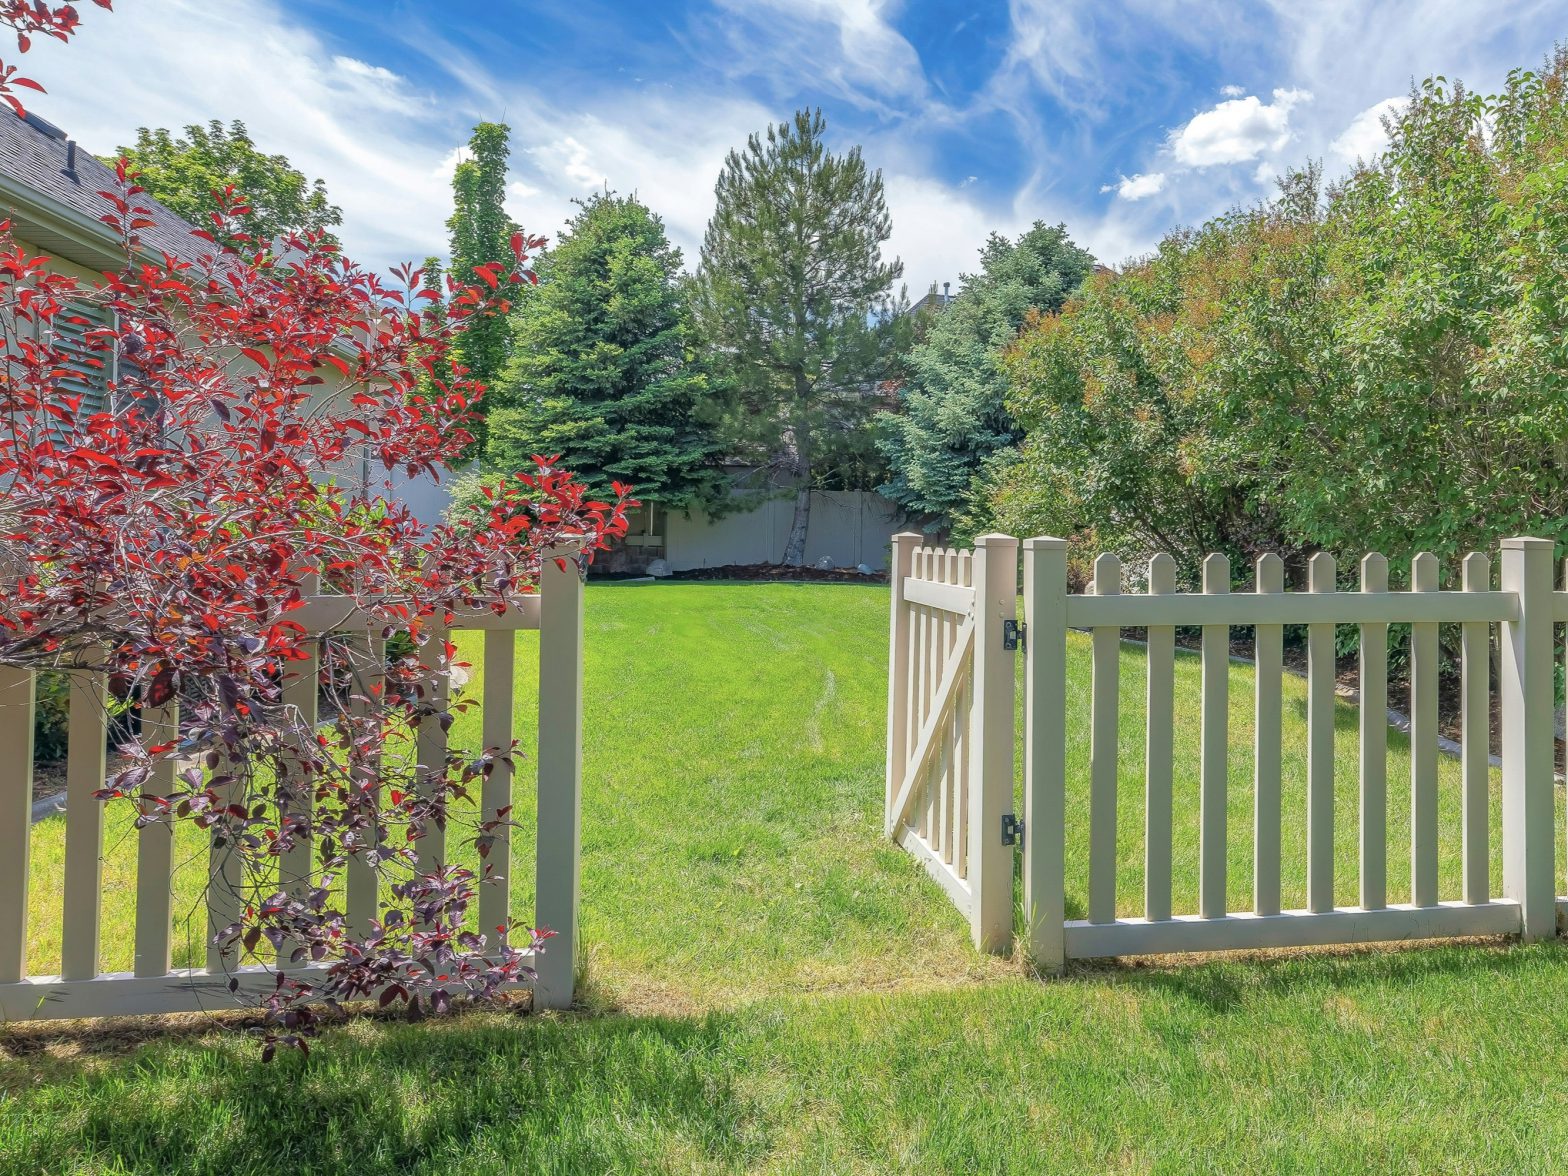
point(1015, 635)
point(1012, 830)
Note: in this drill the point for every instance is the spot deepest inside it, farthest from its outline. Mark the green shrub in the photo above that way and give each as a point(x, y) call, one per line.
point(1377, 364)
point(51, 719)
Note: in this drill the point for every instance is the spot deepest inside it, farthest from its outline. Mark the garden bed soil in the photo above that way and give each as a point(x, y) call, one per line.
point(777, 573)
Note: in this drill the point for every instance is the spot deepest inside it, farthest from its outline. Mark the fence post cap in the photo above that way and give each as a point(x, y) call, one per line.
point(995, 541)
point(1526, 543)
point(1045, 543)
point(907, 537)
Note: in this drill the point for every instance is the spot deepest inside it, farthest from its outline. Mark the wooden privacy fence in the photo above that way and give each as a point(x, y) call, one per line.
point(1524, 607)
point(82, 989)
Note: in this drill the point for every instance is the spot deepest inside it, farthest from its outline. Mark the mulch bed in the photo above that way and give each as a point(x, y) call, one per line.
point(780, 572)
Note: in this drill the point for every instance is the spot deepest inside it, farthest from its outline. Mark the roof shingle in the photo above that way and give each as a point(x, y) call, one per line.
point(34, 156)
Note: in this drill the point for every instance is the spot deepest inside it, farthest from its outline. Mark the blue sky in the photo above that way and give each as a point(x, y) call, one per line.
point(1122, 120)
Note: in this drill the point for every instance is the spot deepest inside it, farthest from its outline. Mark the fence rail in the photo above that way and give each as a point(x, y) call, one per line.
point(1523, 608)
point(83, 989)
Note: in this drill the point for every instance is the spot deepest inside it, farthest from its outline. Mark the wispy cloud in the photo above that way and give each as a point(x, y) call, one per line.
point(1189, 107)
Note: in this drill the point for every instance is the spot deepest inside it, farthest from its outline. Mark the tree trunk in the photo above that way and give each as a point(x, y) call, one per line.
point(795, 549)
point(799, 441)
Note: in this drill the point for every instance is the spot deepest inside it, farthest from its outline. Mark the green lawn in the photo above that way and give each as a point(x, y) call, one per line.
point(773, 986)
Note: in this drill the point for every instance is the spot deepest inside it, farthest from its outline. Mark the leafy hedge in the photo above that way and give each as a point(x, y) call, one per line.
point(1375, 364)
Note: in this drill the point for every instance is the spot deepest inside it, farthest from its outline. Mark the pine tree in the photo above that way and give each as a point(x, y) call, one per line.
point(951, 419)
point(793, 297)
point(601, 371)
point(481, 232)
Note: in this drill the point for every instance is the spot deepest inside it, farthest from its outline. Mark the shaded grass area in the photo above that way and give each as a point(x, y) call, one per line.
point(1404, 1061)
point(775, 987)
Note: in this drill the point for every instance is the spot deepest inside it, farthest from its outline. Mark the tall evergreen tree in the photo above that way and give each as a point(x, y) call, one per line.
point(793, 297)
point(601, 371)
point(480, 233)
point(952, 420)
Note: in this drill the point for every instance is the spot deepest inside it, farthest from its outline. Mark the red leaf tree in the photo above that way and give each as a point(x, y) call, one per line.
point(169, 541)
point(28, 19)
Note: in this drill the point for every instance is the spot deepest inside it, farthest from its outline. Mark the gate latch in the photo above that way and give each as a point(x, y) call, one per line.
point(1012, 830)
point(1015, 635)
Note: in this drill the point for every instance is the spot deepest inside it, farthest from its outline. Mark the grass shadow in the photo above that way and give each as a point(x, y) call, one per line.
point(482, 1091)
point(1224, 983)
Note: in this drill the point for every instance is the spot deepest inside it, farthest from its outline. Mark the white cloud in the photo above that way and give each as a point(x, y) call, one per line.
point(851, 46)
point(385, 147)
point(1232, 91)
point(376, 139)
point(1266, 171)
point(1237, 130)
point(448, 163)
point(1365, 138)
point(937, 230)
point(1138, 187)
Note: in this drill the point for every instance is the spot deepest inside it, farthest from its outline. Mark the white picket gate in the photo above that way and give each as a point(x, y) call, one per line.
point(950, 722)
point(82, 989)
point(1525, 607)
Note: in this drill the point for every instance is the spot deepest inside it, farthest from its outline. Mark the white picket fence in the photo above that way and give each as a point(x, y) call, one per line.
point(83, 989)
point(1525, 607)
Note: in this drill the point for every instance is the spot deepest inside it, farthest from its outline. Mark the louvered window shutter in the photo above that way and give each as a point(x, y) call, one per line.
point(91, 368)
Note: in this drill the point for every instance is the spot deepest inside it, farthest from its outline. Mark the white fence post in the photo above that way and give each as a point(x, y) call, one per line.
point(1045, 750)
point(560, 774)
point(17, 707)
point(1529, 876)
point(898, 671)
point(991, 744)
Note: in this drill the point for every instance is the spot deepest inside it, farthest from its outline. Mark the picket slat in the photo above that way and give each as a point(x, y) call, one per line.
point(949, 789)
point(926, 675)
point(898, 659)
point(225, 873)
point(1214, 750)
point(1374, 744)
point(366, 654)
point(936, 636)
point(1268, 652)
point(155, 850)
point(431, 745)
point(1045, 751)
point(86, 742)
point(1320, 745)
point(495, 893)
point(966, 577)
point(17, 703)
point(1423, 742)
point(1106, 691)
point(1476, 735)
point(301, 691)
point(1158, 750)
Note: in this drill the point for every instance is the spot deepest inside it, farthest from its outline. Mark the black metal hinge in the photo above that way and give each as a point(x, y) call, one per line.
point(1012, 830)
point(1015, 635)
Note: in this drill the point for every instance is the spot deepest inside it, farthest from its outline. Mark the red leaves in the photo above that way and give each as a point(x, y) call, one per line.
point(176, 540)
